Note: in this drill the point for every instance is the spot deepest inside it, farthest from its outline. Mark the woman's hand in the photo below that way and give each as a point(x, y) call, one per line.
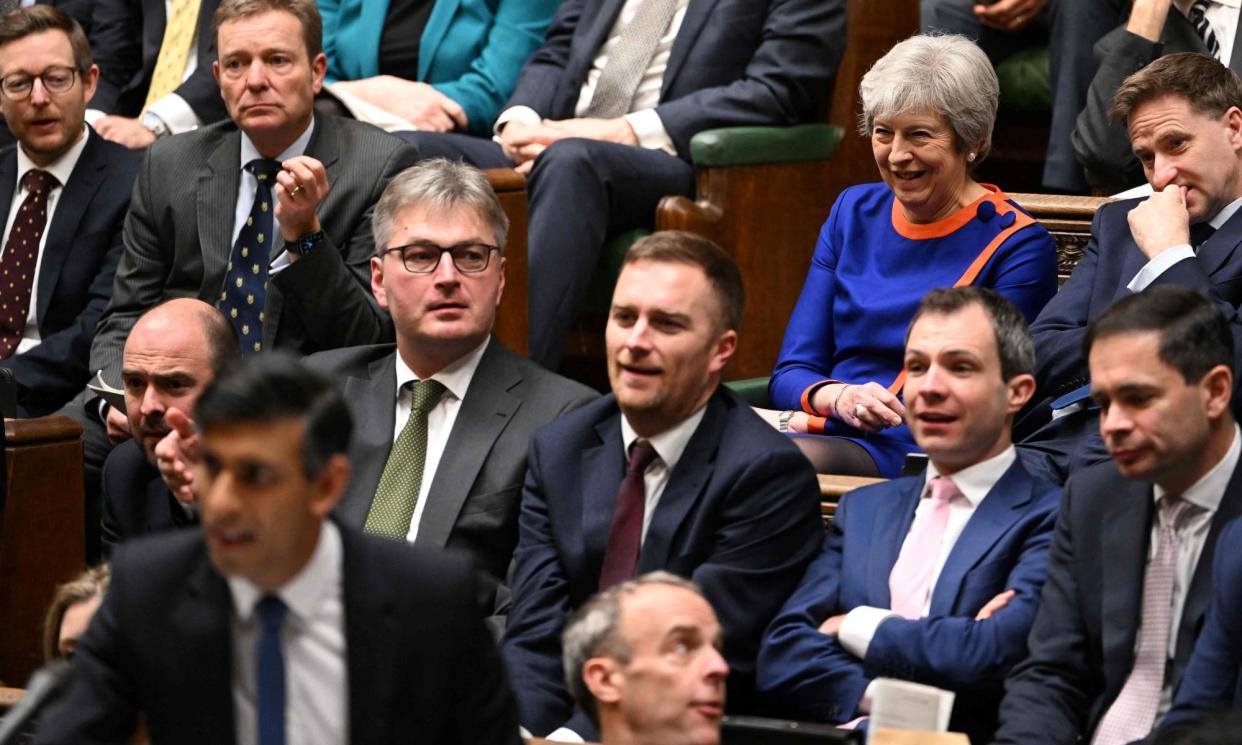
point(417, 103)
point(867, 406)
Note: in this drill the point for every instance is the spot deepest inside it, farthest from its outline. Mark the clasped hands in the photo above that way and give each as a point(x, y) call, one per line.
point(1009, 15)
point(522, 142)
point(832, 627)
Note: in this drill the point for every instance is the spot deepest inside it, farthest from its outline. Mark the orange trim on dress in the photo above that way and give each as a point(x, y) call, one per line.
point(946, 225)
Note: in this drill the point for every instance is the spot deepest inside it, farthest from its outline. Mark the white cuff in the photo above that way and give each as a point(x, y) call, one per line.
point(1159, 265)
point(859, 628)
point(564, 734)
point(524, 114)
point(176, 113)
point(649, 130)
point(94, 115)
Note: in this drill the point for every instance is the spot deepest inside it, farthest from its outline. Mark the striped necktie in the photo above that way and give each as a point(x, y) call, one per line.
point(1197, 15)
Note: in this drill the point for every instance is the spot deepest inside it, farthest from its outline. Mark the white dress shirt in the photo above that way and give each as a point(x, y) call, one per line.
point(669, 445)
point(62, 169)
point(642, 118)
point(440, 420)
point(313, 643)
point(1167, 258)
point(248, 186)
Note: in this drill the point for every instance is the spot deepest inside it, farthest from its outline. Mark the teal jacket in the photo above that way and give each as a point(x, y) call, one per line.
point(471, 50)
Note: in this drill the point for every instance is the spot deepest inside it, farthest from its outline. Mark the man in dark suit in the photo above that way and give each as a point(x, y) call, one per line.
point(1184, 114)
point(46, 333)
point(467, 493)
point(1153, 28)
point(707, 490)
point(916, 582)
point(1130, 565)
point(173, 352)
point(254, 629)
point(611, 141)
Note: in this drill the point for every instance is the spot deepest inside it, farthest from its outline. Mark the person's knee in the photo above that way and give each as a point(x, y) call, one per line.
point(573, 155)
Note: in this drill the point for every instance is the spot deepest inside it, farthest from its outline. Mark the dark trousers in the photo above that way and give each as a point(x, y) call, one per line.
point(580, 191)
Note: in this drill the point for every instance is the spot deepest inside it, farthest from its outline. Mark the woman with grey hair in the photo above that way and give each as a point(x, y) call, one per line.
point(928, 107)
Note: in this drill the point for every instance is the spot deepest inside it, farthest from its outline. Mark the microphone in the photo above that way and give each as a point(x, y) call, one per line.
point(39, 690)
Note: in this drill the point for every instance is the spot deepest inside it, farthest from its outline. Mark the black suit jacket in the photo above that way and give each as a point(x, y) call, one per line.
point(421, 665)
point(740, 516)
point(136, 501)
point(1082, 643)
point(473, 500)
point(178, 237)
point(75, 278)
point(126, 36)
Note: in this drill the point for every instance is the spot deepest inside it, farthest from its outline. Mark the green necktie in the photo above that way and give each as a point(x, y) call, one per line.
point(393, 506)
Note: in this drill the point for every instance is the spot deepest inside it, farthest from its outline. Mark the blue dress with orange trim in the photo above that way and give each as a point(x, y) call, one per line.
point(870, 270)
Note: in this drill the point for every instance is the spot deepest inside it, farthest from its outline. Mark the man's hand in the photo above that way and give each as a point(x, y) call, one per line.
point(605, 130)
point(1147, 18)
point(832, 626)
point(1161, 221)
point(118, 426)
point(177, 454)
point(300, 189)
point(523, 142)
point(1009, 15)
point(418, 103)
point(994, 605)
point(124, 131)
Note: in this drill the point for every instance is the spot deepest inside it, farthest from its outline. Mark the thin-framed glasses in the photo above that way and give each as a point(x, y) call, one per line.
point(55, 79)
point(424, 256)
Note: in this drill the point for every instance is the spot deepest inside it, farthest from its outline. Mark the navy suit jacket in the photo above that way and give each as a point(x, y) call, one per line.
point(79, 261)
point(806, 674)
point(740, 516)
point(1082, 643)
point(421, 666)
point(733, 63)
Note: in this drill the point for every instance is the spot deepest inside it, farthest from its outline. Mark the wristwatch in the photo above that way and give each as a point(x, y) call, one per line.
point(783, 421)
point(307, 243)
point(153, 122)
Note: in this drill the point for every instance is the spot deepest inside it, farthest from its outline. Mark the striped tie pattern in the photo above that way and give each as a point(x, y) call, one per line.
point(21, 252)
point(1197, 16)
point(397, 493)
point(174, 50)
point(629, 59)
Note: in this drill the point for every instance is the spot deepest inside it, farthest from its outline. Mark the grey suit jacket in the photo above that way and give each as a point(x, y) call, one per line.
point(178, 237)
point(1103, 146)
point(475, 493)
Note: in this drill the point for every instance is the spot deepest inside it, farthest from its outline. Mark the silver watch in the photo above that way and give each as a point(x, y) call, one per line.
point(153, 122)
point(783, 420)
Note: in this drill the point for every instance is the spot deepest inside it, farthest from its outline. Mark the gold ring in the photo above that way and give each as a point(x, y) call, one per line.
point(294, 191)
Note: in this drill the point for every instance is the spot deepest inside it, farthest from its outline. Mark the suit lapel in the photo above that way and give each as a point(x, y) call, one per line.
point(201, 617)
point(603, 467)
point(697, 13)
point(994, 516)
point(372, 399)
point(8, 182)
point(1126, 532)
point(434, 32)
point(1216, 250)
point(1235, 59)
point(217, 200)
point(485, 412)
point(370, 617)
point(71, 207)
point(1199, 594)
point(886, 538)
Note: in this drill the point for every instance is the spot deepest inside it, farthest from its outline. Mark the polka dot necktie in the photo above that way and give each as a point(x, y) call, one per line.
point(397, 494)
point(21, 252)
point(245, 282)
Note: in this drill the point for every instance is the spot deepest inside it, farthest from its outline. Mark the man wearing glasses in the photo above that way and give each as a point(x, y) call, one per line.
point(65, 191)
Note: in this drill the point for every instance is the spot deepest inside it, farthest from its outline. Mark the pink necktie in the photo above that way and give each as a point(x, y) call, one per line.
point(1133, 713)
point(910, 582)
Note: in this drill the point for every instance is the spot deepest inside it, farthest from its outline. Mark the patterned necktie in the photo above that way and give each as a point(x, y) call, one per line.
point(910, 582)
point(174, 50)
point(397, 494)
point(625, 537)
point(1198, 18)
point(245, 282)
point(21, 253)
point(270, 671)
point(629, 59)
point(1133, 713)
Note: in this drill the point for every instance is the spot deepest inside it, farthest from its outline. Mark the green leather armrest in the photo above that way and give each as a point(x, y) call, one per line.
point(1024, 81)
point(744, 146)
point(753, 391)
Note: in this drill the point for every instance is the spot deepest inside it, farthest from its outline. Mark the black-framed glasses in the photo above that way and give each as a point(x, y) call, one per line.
point(55, 79)
point(424, 256)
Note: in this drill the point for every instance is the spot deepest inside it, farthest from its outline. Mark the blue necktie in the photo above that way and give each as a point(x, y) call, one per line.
point(270, 666)
point(245, 282)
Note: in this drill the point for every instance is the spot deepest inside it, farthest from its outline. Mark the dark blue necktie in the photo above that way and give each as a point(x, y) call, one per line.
point(1199, 233)
point(245, 282)
point(270, 666)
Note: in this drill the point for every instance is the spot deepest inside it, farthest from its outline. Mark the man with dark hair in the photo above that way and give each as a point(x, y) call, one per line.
point(672, 471)
point(66, 192)
point(644, 660)
point(1130, 565)
point(932, 578)
point(172, 353)
point(1184, 114)
point(276, 624)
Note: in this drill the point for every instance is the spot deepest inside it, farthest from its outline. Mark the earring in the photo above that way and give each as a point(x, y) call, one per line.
point(971, 157)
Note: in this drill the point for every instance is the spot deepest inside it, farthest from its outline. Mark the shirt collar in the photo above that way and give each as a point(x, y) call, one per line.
point(670, 443)
point(1209, 490)
point(456, 377)
point(1222, 217)
point(61, 168)
point(249, 152)
point(320, 578)
point(974, 482)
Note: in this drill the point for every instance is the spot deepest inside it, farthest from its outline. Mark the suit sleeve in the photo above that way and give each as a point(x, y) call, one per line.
point(1047, 696)
point(960, 653)
point(1101, 145)
point(802, 672)
point(116, 43)
point(485, 712)
point(516, 31)
point(542, 74)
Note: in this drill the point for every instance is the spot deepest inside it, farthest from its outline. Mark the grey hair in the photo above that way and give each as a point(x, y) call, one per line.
point(946, 74)
point(440, 184)
point(592, 632)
